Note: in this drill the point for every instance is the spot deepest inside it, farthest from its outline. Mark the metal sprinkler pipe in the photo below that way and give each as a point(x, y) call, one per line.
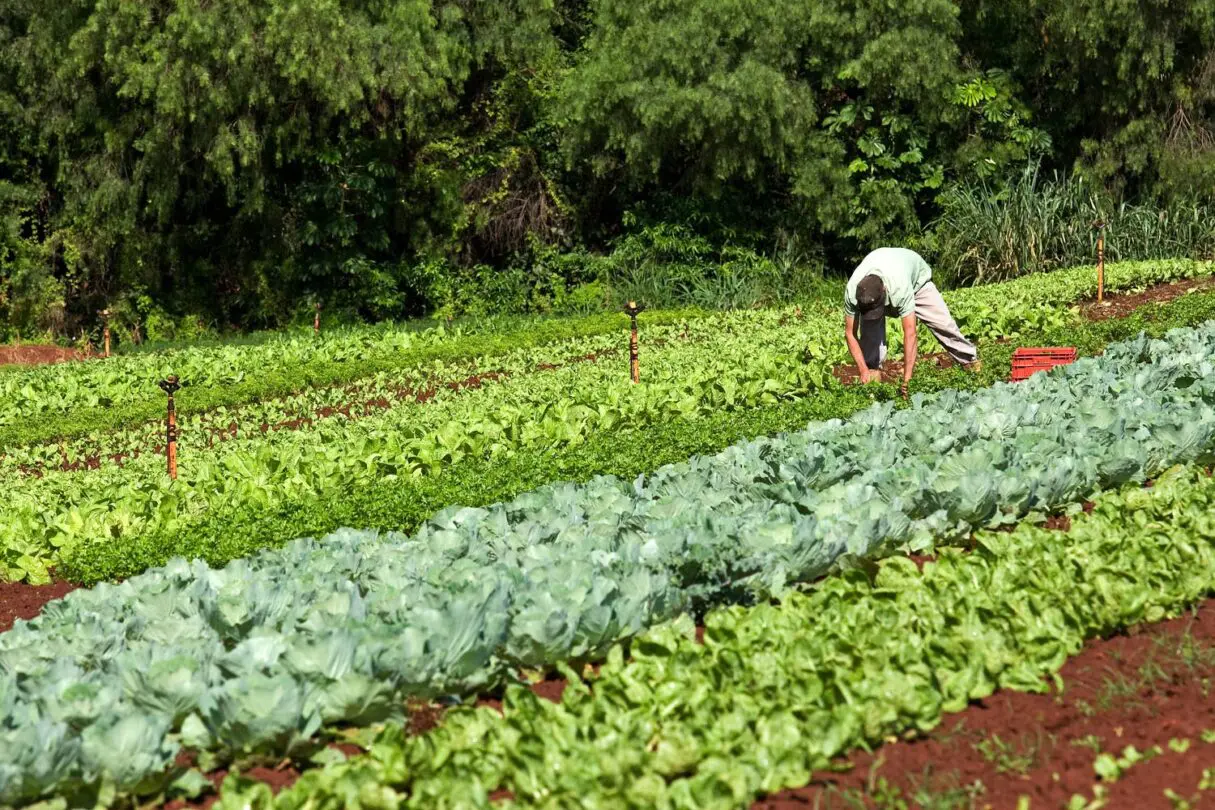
point(633, 310)
point(316, 321)
point(170, 387)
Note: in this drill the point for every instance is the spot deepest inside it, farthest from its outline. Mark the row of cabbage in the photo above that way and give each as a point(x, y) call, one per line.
point(259, 655)
point(741, 360)
point(776, 692)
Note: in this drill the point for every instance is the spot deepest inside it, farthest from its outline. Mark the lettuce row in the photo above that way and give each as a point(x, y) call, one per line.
point(61, 401)
point(57, 401)
point(255, 657)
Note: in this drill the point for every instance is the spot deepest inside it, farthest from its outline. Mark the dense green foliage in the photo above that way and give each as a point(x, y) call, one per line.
point(63, 401)
point(1033, 225)
point(235, 162)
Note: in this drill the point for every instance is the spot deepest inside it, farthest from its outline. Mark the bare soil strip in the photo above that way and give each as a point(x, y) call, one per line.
point(1121, 305)
point(19, 600)
point(36, 355)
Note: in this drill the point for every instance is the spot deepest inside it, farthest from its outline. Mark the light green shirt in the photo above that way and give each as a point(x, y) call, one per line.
point(903, 272)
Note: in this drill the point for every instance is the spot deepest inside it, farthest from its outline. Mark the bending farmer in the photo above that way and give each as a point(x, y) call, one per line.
point(896, 282)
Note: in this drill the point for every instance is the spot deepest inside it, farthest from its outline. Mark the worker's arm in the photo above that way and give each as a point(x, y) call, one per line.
point(909, 349)
point(854, 348)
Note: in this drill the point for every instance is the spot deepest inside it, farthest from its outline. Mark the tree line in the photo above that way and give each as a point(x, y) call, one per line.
point(234, 163)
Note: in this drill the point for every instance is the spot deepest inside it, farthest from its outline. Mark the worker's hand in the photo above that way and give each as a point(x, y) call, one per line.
point(903, 389)
point(871, 376)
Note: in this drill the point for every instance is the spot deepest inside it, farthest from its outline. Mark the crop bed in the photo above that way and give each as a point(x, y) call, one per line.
point(68, 400)
point(764, 697)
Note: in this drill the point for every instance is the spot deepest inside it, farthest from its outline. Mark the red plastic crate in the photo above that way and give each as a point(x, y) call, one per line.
point(1029, 361)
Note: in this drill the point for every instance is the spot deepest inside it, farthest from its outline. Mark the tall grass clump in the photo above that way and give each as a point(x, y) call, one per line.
point(988, 234)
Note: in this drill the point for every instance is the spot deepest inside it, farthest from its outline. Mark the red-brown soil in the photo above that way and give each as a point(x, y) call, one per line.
point(20, 600)
point(36, 355)
point(892, 370)
point(1142, 689)
point(1121, 305)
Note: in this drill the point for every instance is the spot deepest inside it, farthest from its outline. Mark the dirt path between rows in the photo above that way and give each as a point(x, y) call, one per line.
point(20, 600)
point(36, 355)
point(1119, 305)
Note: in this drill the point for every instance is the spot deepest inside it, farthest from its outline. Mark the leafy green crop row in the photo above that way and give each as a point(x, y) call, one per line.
point(732, 370)
point(240, 426)
point(71, 399)
point(754, 358)
point(81, 399)
point(401, 504)
point(776, 691)
point(1004, 311)
point(256, 657)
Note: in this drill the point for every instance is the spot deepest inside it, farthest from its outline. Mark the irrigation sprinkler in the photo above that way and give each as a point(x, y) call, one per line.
point(105, 330)
point(316, 320)
point(170, 387)
point(1100, 226)
point(633, 310)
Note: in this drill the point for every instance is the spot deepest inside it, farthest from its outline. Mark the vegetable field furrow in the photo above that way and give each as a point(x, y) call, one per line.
point(231, 532)
point(58, 401)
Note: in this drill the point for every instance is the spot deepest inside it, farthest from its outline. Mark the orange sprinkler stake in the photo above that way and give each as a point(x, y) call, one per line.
point(633, 310)
point(1100, 226)
point(170, 387)
point(105, 331)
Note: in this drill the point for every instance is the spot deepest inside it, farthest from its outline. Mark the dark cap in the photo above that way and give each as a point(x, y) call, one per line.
point(871, 298)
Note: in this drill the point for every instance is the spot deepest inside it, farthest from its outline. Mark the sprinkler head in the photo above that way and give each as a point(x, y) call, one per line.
point(632, 309)
point(170, 385)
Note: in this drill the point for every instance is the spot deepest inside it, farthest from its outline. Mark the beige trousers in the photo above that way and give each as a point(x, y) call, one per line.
point(930, 310)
